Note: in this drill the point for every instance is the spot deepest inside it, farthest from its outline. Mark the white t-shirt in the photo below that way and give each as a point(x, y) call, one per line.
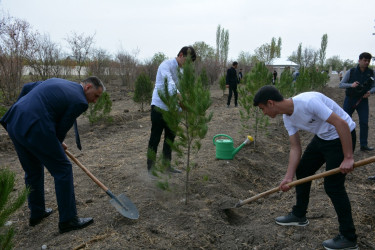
point(167, 70)
point(311, 111)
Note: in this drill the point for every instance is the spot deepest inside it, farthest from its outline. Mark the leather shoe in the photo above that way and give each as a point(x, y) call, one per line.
point(35, 221)
point(372, 178)
point(74, 224)
point(366, 148)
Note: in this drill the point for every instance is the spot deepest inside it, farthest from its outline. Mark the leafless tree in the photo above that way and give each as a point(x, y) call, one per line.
point(80, 46)
point(127, 68)
point(306, 57)
point(14, 44)
point(101, 65)
point(206, 59)
point(151, 65)
point(222, 47)
point(44, 57)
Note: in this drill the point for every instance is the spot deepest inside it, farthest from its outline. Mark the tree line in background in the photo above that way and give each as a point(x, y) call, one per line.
point(21, 46)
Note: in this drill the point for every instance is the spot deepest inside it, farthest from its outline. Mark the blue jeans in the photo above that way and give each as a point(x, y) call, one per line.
point(316, 154)
point(363, 111)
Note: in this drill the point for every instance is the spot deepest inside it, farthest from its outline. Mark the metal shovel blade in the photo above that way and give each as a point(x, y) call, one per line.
point(121, 203)
point(124, 205)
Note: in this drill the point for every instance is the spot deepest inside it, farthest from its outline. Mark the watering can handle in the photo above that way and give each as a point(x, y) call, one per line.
point(220, 135)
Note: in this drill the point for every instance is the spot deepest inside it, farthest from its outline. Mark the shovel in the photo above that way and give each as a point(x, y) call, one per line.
point(300, 181)
point(121, 202)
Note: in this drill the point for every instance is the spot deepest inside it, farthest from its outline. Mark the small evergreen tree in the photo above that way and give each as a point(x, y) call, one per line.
point(143, 90)
point(285, 85)
point(222, 83)
point(252, 117)
point(8, 205)
point(190, 122)
point(3, 110)
point(204, 78)
point(100, 110)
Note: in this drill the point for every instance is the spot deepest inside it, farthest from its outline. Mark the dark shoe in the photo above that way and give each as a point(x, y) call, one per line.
point(366, 148)
point(35, 221)
point(292, 220)
point(74, 224)
point(372, 178)
point(174, 170)
point(339, 242)
point(236, 105)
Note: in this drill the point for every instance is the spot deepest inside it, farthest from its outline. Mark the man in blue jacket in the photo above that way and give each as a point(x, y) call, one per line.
point(37, 124)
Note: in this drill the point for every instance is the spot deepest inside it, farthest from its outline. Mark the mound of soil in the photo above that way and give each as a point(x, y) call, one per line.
point(116, 154)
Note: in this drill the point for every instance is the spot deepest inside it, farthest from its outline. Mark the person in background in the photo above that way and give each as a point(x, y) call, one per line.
point(166, 71)
point(240, 76)
point(274, 77)
point(37, 125)
point(332, 145)
point(358, 88)
point(232, 81)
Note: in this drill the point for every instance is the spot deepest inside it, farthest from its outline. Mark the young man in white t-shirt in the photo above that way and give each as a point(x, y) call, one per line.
point(333, 144)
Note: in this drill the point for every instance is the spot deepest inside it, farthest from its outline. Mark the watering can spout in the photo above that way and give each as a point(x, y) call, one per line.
point(248, 140)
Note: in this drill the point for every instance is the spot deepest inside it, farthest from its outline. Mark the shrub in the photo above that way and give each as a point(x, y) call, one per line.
point(252, 118)
point(100, 110)
point(143, 90)
point(222, 83)
point(3, 110)
point(8, 205)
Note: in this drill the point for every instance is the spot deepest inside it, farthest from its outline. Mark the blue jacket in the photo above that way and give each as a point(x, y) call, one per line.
point(53, 105)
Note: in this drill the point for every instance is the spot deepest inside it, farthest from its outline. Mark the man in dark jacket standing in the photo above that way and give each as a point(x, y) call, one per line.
point(232, 81)
point(358, 84)
point(37, 124)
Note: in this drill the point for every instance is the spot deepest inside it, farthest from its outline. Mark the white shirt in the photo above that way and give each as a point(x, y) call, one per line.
point(167, 70)
point(311, 111)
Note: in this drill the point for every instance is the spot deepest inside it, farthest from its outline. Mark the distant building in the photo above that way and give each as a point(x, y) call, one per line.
point(279, 64)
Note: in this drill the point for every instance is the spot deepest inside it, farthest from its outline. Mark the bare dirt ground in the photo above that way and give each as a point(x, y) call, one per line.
point(116, 155)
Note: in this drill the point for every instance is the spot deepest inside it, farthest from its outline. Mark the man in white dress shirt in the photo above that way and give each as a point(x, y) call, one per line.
point(166, 71)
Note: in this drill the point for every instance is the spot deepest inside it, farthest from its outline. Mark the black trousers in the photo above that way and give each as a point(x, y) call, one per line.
point(316, 154)
point(158, 125)
point(232, 88)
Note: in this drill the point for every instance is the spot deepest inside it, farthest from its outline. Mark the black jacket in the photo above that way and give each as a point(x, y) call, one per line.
point(231, 76)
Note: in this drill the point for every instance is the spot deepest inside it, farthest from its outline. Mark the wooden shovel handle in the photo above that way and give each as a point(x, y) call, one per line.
point(86, 171)
point(306, 179)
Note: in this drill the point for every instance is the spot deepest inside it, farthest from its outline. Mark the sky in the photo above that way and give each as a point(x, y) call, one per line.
point(145, 27)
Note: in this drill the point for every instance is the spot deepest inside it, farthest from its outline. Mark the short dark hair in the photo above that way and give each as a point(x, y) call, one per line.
point(266, 93)
point(235, 63)
point(188, 50)
point(365, 55)
point(94, 81)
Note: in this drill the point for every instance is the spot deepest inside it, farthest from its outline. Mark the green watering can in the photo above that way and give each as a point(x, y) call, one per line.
point(225, 149)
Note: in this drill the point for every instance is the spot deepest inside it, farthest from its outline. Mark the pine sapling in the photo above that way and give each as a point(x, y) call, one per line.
point(143, 90)
point(187, 116)
point(8, 205)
